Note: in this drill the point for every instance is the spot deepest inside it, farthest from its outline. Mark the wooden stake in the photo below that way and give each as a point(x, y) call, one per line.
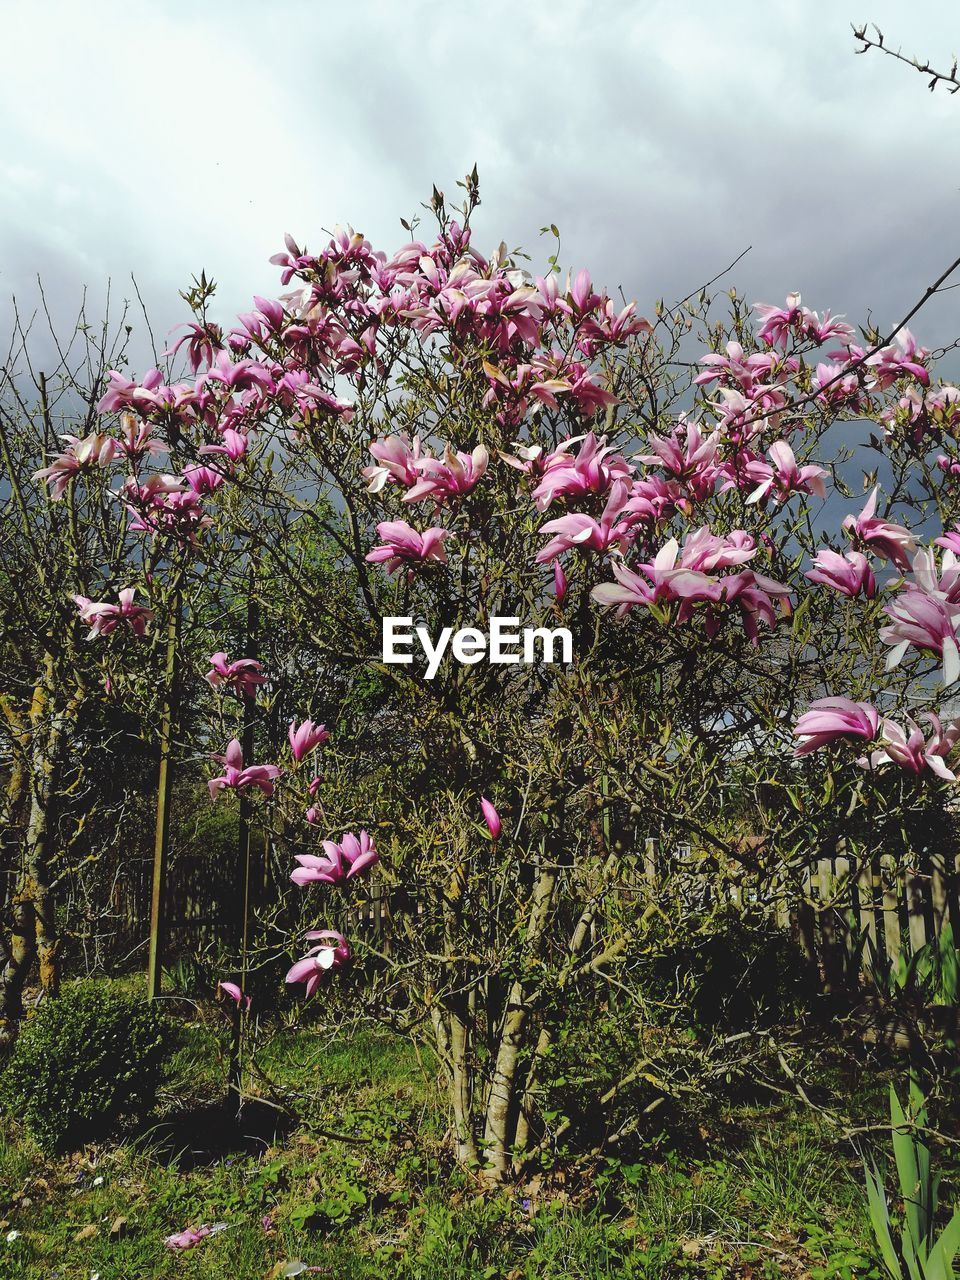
point(158, 920)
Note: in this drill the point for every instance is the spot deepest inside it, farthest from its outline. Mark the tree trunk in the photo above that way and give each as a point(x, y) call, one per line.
point(503, 1098)
point(33, 926)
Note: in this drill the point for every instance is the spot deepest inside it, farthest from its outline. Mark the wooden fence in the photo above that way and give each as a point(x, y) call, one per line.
point(845, 914)
point(203, 903)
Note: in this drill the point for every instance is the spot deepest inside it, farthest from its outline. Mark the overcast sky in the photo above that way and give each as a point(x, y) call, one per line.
point(662, 140)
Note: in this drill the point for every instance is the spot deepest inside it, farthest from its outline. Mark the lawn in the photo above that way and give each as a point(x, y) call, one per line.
point(358, 1183)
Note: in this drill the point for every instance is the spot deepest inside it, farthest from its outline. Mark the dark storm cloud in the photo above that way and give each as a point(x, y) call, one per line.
point(661, 139)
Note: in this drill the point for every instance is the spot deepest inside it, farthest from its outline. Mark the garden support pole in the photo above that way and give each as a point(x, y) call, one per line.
point(245, 849)
point(164, 788)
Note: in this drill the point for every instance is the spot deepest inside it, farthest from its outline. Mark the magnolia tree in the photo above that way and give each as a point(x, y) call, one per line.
point(753, 646)
point(60, 541)
point(95, 616)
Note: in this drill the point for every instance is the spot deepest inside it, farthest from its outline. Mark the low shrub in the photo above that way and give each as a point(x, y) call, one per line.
point(84, 1062)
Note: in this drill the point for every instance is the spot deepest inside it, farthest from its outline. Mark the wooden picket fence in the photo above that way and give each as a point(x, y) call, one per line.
point(846, 914)
point(203, 903)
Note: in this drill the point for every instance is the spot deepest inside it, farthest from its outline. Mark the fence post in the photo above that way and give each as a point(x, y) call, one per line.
point(891, 908)
point(158, 920)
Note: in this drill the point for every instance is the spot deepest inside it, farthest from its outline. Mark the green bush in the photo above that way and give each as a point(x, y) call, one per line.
point(84, 1062)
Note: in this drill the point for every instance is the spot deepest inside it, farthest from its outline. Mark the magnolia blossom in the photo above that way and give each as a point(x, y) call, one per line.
point(342, 861)
point(178, 513)
point(593, 469)
point(884, 538)
point(238, 778)
point(138, 440)
point(686, 577)
point(234, 445)
point(235, 994)
point(397, 459)
point(403, 545)
point(332, 953)
point(926, 622)
point(203, 480)
point(900, 357)
point(305, 738)
point(950, 540)
point(579, 530)
point(778, 321)
point(782, 478)
point(102, 618)
point(680, 575)
point(849, 574)
point(916, 752)
point(191, 1236)
point(688, 456)
point(836, 386)
point(96, 450)
point(831, 718)
point(242, 675)
point(455, 476)
point(490, 817)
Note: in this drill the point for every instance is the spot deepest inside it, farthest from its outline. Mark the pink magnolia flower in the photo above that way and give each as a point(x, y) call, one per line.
point(177, 513)
point(829, 329)
point(332, 953)
point(236, 995)
point(239, 375)
point(490, 817)
point(663, 579)
point(778, 321)
point(579, 530)
point(688, 456)
point(234, 445)
point(95, 450)
point(305, 738)
point(102, 618)
point(201, 341)
point(943, 583)
point(340, 862)
point(191, 1236)
point(242, 675)
point(594, 469)
point(754, 593)
point(398, 460)
point(559, 582)
point(138, 438)
point(924, 621)
point(235, 776)
point(884, 538)
point(705, 551)
point(916, 752)
point(849, 574)
point(836, 387)
point(831, 718)
point(403, 545)
point(782, 478)
point(456, 475)
point(203, 480)
point(950, 540)
point(900, 357)
point(149, 396)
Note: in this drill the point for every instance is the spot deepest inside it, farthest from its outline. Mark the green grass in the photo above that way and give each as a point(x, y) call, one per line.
point(363, 1188)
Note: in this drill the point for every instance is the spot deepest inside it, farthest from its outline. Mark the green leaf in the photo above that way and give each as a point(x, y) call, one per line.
point(880, 1221)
